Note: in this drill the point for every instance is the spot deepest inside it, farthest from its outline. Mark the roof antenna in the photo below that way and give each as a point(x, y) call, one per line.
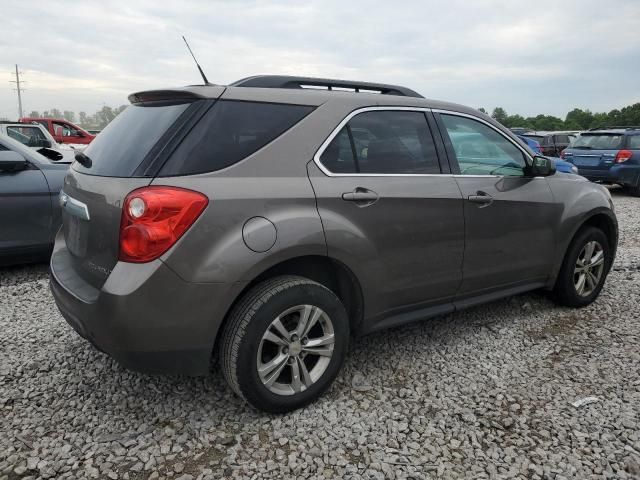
point(204, 77)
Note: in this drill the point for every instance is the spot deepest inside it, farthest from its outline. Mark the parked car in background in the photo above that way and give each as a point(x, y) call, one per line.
point(35, 136)
point(29, 205)
point(246, 219)
point(608, 155)
point(63, 131)
point(561, 165)
point(552, 144)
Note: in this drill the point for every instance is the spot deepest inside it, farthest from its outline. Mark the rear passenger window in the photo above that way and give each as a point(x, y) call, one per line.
point(338, 156)
point(562, 138)
point(383, 142)
point(229, 132)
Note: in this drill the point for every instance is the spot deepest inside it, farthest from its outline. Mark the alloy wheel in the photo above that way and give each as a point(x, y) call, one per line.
point(295, 350)
point(589, 268)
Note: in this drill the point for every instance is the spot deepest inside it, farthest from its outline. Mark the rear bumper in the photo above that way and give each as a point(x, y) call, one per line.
point(628, 175)
point(144, 316)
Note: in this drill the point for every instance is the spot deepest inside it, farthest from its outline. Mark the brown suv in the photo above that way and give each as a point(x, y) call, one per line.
point(269, 219)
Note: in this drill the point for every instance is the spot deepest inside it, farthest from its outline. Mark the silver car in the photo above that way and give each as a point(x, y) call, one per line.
point(270, 219)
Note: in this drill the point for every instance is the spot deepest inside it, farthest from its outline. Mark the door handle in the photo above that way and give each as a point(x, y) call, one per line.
point(481, 198)
point(361, 196)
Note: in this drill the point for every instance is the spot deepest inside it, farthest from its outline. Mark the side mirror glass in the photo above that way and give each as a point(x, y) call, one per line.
point(11, 161)
point(542, 167)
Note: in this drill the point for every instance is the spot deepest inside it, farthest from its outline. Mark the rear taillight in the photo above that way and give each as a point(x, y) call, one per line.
point(154, 218)
point(623, 156)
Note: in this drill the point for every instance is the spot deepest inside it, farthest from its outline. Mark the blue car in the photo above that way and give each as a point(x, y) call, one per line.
point(608, 155)
point(561, 165)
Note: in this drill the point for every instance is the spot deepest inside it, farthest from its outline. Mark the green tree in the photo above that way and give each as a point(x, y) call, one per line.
point(481, 109)
point(34, 114)
point(499, 114)
point(55, 113)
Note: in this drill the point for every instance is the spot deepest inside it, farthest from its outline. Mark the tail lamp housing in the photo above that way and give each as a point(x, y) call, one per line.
point(154, 218)
point(623, 156)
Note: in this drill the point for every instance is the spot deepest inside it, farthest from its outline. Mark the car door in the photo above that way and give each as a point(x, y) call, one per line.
point(509, 217)
point(388, 212)
point(25, 208)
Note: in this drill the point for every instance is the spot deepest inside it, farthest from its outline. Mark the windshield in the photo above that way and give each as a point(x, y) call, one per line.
point(598, 141)
point(31, 136)
point(125, 142)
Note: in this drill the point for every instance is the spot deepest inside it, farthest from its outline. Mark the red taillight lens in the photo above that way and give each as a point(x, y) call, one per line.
point(623, 156)
point(154, 218)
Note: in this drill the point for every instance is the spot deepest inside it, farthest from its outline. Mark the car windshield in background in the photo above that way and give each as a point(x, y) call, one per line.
point(598, 141)
point(123, 144)
point(536, 138)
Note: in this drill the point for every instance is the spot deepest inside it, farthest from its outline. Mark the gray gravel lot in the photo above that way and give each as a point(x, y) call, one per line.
point(486, 393)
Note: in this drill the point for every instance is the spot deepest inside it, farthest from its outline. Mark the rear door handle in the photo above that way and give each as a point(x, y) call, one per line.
point(481, 198)
point(361, 196)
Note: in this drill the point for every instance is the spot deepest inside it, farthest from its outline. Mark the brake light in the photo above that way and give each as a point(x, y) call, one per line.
point(623, 156)
point(154, 218)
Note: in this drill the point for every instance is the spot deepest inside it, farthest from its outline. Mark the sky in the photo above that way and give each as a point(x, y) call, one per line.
point(527, 57)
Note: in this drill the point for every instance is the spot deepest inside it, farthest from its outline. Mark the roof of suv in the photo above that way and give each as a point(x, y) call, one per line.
point(304, 91)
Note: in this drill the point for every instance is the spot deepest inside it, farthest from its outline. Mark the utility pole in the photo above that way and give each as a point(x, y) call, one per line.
point(18, 89)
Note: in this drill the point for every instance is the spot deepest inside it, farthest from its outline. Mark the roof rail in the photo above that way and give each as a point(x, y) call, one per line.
point(283, 81)
point(618, 127)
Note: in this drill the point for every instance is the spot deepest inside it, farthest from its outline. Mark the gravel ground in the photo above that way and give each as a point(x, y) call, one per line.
point(486, 393)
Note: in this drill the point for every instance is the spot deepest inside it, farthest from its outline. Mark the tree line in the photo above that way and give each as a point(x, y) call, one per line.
point(576, 119)
point(97, 121)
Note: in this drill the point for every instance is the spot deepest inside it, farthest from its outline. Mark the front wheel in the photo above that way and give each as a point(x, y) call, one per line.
point(584, 269)
point(284, 343)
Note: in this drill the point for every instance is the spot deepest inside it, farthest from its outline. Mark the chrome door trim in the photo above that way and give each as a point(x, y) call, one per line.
point(335, 131)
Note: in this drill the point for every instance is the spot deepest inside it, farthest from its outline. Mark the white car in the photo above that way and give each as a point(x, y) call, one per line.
point(36, 137)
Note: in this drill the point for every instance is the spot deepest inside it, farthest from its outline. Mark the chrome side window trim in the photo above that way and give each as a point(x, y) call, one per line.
point(334, 133)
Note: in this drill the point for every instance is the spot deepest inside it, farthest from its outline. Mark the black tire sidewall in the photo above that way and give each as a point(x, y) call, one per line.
point(246, 368)
point(566, 288)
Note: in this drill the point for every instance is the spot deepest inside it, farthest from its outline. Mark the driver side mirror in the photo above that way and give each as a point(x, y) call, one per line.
point(541, 167)
point(11, 162)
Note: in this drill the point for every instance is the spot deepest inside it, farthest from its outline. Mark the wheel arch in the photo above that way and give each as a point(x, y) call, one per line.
point(327, 271)
point(601, 218)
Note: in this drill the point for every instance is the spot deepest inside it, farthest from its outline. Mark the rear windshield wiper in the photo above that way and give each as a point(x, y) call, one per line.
point(83, 159)
point(582, 147)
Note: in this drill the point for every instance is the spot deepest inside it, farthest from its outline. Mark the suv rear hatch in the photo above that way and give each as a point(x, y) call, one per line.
point(125, 156)
point(594, 151)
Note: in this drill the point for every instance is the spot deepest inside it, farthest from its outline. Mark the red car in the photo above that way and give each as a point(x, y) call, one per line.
point(62, 130)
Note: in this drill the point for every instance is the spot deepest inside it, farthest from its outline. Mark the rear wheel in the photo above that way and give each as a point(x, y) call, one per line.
point(284, 343)
point(635, 191)
point(584, 268)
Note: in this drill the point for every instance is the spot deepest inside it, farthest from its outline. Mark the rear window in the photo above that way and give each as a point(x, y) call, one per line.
point(634, 142)
point(229, 132)
point(125, 142)
point(598, 141)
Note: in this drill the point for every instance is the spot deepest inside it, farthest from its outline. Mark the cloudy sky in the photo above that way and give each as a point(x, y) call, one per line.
point(528, 57)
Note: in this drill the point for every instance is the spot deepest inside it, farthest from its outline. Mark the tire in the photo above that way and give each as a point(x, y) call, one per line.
point(633, 191)
point(243, 343)
point(566, 287)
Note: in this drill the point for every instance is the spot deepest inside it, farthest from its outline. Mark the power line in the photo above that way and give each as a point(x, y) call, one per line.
point(18, 89)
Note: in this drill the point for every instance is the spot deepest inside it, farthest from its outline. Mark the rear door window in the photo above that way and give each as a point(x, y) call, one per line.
point(229, 132)
point(383, 142)
point(126, 141)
